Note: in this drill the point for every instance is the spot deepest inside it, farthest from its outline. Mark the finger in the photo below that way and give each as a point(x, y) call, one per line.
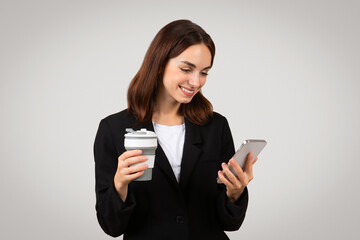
point(249, 168)
point(239, 172)
point(236, 167)
point(255, 161)
point(249, 163)
point(135, 168)
point(128, 154)
point(223, 179)
point(234, 180)
point(133, 176)
point(135, 160)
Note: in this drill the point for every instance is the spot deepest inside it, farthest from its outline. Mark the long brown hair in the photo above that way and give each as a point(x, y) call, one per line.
point(168, 43)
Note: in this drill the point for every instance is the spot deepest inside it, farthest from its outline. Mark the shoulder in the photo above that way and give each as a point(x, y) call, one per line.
point(216, 126)
point(122, 118)
point(218, 120)
point(117, 122)
point(218, 116)
point(114, 127)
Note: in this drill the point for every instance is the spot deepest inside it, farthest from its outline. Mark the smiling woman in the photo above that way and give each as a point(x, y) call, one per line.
point(180, 45)
point(182, 200)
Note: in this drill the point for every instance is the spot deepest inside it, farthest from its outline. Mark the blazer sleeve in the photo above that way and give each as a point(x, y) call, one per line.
point(231, 215)
point(112, 213)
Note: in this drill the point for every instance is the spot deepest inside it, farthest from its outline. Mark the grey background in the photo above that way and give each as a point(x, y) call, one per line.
point(286, 71)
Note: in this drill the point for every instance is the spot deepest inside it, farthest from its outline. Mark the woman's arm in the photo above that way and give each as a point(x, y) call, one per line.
point(112, 212)
point(231, 205)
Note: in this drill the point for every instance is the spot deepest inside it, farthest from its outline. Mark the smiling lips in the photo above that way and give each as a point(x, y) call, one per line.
point(187, 91)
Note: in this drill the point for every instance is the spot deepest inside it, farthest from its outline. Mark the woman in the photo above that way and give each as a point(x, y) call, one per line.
point(183, 200)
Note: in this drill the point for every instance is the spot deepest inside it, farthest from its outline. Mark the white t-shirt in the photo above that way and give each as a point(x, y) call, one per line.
point(171, 140)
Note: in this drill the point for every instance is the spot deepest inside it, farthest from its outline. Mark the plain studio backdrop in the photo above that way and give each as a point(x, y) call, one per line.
point(285, 71)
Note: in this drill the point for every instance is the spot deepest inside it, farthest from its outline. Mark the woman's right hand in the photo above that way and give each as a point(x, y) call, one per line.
point(126, 172)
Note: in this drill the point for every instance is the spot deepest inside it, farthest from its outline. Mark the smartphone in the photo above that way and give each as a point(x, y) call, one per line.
point(251, 145)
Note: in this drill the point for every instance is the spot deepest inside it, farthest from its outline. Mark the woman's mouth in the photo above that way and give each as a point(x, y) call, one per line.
point(187, 91)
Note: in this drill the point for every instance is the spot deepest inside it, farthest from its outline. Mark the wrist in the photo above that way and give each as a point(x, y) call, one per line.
point(233, 198)
point(121, 190)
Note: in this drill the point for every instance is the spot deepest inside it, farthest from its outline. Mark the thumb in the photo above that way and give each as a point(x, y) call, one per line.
point(249, 163)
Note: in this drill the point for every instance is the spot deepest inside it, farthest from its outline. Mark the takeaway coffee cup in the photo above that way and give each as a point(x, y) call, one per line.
point(145, 141)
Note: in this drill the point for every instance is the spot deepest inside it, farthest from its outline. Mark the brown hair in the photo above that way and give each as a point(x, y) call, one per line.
point(168, 43)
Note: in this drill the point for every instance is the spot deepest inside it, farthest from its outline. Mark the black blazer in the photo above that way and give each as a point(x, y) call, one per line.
point(195, 208)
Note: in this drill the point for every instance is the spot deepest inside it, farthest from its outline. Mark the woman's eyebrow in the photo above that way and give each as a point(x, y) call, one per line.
point(194, 66)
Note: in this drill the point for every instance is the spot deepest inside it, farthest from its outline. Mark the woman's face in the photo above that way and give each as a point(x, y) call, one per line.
point(185, 74)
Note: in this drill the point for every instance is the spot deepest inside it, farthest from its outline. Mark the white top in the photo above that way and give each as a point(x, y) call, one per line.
point(171, 140)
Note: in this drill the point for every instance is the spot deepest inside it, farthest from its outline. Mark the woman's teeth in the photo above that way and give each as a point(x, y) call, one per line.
point(185, 90)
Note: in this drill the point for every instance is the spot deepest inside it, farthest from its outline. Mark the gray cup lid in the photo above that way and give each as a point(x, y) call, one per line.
point(142, 133)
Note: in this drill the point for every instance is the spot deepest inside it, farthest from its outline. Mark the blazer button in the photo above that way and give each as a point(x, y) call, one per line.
point(180, 219)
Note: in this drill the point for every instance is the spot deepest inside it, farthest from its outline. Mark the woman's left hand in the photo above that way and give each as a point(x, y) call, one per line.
point(236, 185)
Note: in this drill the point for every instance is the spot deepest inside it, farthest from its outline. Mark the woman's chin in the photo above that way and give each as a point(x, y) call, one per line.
point(185, 100)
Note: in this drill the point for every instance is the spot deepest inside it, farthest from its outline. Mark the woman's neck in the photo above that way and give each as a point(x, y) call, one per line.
point(168, 117)
point(167, 113)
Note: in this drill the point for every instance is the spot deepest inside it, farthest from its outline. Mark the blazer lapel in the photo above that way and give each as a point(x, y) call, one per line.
point(191, 152)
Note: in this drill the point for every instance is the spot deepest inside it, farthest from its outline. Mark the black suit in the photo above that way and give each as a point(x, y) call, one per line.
point(195, 208)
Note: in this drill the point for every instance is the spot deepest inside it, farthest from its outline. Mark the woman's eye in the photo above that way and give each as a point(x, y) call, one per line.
point(204, 74)
point(185, 70)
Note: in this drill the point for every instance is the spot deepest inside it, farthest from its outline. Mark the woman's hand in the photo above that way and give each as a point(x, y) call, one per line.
point(236, 185)
point(126, 171)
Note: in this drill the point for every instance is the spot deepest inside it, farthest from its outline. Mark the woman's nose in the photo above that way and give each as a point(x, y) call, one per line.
point(194, 80)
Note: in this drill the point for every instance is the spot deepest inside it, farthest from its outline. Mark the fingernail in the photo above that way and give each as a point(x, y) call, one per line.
point(223, 165)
